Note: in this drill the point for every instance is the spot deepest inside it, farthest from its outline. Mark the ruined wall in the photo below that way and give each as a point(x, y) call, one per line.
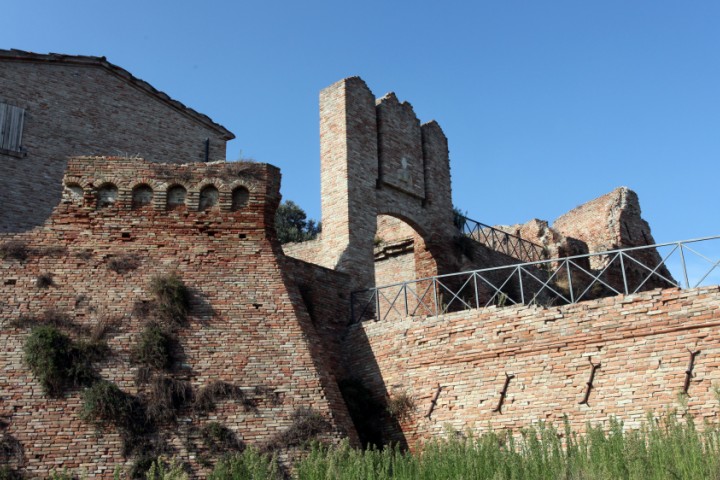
point(377, 159)
point(75, 109)
point(643, 343)
point(248, 325)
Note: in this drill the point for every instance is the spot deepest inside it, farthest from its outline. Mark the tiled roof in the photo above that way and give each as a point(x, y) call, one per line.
point(20, 55)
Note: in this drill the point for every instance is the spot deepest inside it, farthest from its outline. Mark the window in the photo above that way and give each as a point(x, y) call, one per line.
point(11, 128)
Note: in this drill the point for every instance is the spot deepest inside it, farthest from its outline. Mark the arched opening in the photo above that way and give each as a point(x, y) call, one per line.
point(240, 197)
point(141, 195)
point(73, 193)
point(402, 257)
point(176, 196)
point(106, 195)
point(208, 197)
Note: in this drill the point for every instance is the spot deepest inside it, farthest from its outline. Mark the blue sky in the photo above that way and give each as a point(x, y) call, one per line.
point(546, 104)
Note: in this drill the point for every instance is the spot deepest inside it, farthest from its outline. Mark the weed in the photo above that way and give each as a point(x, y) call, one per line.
point(172, 297)
point(400, 406)
point(11, 450)
point(166, 395)
point(44, 281)
point(14, 250)
point(84, 255)
point(154, 349)
point(208, 396)
point(7, 473)
point(250, 464)
point(50, 317)
point(220, 439)
point(123, 264)
point(161, 469)
point(58, 362)
point(307, 425)
point(105, 404)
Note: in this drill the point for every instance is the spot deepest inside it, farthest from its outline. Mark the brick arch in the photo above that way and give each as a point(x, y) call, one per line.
point(377, 158)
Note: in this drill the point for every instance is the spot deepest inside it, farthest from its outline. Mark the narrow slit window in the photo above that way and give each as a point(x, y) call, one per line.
point(12, 120)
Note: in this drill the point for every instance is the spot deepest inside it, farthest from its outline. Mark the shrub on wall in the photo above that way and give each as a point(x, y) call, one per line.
point(307, 425)
point(154, 349)
point(172, 297)
point(58, 362)
point(14, 250)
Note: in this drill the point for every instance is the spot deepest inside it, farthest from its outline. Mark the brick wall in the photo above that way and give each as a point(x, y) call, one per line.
point(76, 109)
point(248, 324)
point(641, 341)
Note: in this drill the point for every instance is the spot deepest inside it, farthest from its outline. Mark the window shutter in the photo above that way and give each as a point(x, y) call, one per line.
point(12, 120)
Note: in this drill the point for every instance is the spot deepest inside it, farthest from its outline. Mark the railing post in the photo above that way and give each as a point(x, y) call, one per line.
point(477, 295)
point(622, 268)
point(682, 258)
point(522, 292)
point(407, 310)
point(435, 294)
point(570, 285)
point(377, 303)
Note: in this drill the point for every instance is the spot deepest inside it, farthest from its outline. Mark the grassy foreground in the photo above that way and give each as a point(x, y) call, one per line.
point(665, 448)
point(662, 449)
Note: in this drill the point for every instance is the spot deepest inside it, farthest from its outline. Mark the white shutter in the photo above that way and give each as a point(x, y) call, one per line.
point(12, 120)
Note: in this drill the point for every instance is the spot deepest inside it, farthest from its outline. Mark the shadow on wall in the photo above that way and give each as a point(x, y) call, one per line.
point(368, 399)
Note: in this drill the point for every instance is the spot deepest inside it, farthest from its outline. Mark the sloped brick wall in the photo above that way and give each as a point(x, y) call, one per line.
point(248, 324)
point(643, 343)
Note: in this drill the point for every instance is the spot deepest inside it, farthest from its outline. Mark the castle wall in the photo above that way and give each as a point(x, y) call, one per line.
point(643, 343)
point(248, 326)
point(73, 109)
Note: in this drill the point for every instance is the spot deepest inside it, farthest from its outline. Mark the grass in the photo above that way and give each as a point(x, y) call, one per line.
point(251, 464)
point(667, 448)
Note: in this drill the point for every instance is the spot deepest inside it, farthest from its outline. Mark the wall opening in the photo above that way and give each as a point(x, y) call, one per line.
point(106, 195)
point(73, 193)
point(208, 197)
point(176, 196)
point(240, 197)
point(141, 195)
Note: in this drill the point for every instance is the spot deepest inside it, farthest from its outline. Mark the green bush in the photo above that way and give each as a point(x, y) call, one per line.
point(172, 297)
point(154, 349)
point(58, 362)
point(104, 403)
point(250, 465)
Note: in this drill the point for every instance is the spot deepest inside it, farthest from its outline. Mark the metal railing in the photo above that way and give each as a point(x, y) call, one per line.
point(548, 282)
point(500, 241)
